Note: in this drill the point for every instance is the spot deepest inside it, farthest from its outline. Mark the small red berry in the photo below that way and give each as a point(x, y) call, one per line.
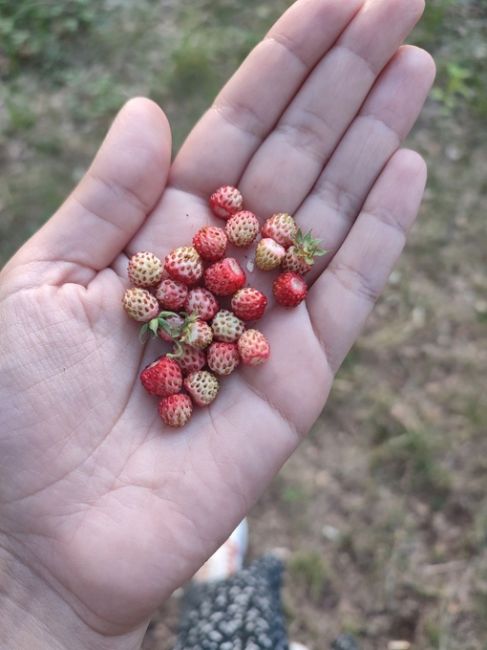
point(249, 304)
point(289, 289)
point(253, 348)
point(172, 294)
point(176, 410)
point(300, 257)
point(269, 254)
point(226, 201)
point(211, 243)
point(227, 327)
point(162, 378)
point(225, 277)
point(189, 359)
point(145, 269)
point(184, 265)
point(140, 305)
point(203, 387)
point(242, 228)
point(197, 333)
point(223, 358)
point(201, 302)
point(281, 227)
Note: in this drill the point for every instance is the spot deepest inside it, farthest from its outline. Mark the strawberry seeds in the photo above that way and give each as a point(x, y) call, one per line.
point(178, 300)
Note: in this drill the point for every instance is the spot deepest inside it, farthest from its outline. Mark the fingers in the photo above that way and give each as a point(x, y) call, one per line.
point(342, 298)
point(113, 199)
point(383, 122)
point(220, 146)
point(288, 163)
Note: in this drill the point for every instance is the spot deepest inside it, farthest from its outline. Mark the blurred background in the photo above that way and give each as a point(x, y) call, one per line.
point(383, 511)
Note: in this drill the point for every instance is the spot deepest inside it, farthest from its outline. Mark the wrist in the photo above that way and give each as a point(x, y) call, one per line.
point(33, 615)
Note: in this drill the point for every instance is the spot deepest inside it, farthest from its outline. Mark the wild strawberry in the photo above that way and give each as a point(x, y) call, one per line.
point(269, 254)
point(145, 269)
point(301, 255)
point(289, 289)
point(201, 302)
point(211, 243)
point(162, 378)
point(140, 305)
point(175, 410)
point(184, 264)
point(169, 328)
point(223, 358)
point(227, 327)
point(189, 359)
point(196, 333)
point(226, 201)
point(249, 304)
point(281, 227)
point(225, 277)
point(253, 348)
point(203, 387)
point(242, 228)
point(172, 294)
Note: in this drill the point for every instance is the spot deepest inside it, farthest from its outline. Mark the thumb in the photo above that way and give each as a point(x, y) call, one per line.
point(113, 199)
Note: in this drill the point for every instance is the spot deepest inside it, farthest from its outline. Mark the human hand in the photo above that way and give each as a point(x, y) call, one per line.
point(103, 512)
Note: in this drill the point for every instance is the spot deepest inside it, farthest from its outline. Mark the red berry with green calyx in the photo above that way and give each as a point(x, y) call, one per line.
point(300, 257)
point(196, 333)
point(170, 327)
point(249, 304)
point(289, 289)
point(225, 277)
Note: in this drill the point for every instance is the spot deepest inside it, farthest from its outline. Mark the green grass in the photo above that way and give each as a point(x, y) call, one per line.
point(409, 461)
point(310, 571)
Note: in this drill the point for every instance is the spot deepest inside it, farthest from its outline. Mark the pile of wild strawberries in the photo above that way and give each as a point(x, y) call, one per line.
point(178, 301)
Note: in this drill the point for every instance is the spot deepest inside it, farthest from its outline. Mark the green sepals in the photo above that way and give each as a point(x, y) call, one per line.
point(152, 327)
point(177, 352)
point(144, 332)
point(307, 247)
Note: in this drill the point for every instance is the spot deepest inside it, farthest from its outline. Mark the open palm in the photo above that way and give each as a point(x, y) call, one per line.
point(110, 509)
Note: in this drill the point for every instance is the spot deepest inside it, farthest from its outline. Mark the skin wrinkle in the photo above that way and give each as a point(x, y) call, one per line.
point(381, 122)
point(372, 70)
point(341, 200)
point(239, 115)
point(214, 442)
point(321, 344)
point(297, 435)
point(387, 219)
point(353, 280)
point(307, 135)
point(122, 193)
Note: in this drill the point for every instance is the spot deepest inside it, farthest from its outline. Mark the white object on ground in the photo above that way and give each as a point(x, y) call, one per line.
point(228, 559)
